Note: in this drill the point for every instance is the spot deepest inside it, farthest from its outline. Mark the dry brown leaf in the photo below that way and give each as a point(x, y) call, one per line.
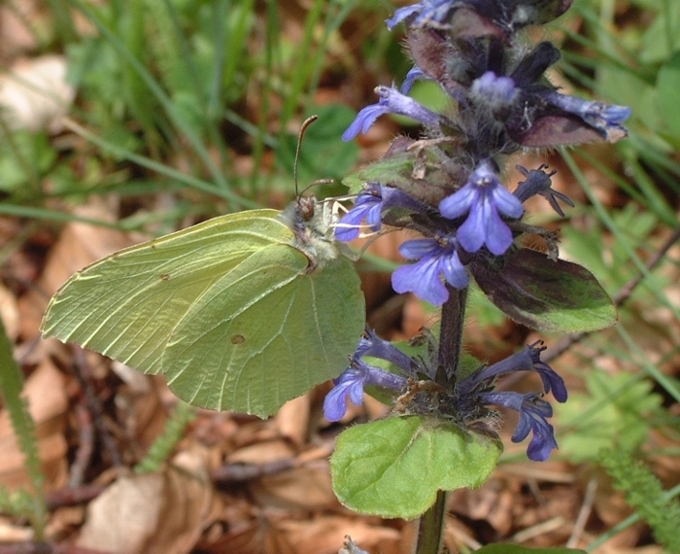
point(292, 420)
point(9, 312)
point(262, 452)
point(15, 36)
point(255, 537)
point(35, 95)
point(304, 488)
point(374, 408)
point(47, 400)
point(326, 535)
point(10, 532)
point(155, 513)
point(144, 415)
point(493, 503)
point(610, 548)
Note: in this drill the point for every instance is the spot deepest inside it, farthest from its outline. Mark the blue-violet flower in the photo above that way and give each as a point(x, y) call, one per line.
point(512, 14)
point(606, 118)
point(414, 74)
point(533, 414)
point(494, 91)
point(376, 347)
point(485, 198)
point(437, 257)
point(527, 359)
point(351, 384)
point(369, 206)
point(394, 102)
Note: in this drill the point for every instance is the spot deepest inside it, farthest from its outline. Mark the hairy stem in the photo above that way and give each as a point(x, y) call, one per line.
point(431, 526)
point(451, 334)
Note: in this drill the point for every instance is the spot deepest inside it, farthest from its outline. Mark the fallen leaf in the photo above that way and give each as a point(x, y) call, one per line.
point(153, 513)
point(35, 95)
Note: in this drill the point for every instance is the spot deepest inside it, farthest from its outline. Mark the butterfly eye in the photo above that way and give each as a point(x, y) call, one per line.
point(307, 206)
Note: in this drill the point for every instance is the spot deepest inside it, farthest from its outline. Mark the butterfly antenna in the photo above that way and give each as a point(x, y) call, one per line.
point(307, 122)
point(317, 183)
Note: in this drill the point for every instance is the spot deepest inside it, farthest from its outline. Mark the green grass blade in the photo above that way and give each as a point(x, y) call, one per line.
point(11, 387)
point(216, 173)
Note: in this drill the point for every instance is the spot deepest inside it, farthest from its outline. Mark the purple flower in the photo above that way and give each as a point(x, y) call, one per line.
point(437, 257)
point(403, 13)
point(494, 91)
point(533, 414)
point(372, 345)
point(351, 384)
point(538, 182)
point(414, 74)
point(606, 118)
point(510, 14)
point(391, 101)
point(485, 198)
point(527, 359)
point(369, 205)
point(551, 380)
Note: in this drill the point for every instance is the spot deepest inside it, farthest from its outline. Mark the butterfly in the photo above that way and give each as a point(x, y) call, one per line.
point(242, 312)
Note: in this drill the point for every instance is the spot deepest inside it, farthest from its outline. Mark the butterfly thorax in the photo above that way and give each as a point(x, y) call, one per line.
point(312, 224)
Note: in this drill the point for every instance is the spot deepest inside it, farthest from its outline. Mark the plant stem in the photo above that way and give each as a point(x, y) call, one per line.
point(451, 332)
point(431, 524)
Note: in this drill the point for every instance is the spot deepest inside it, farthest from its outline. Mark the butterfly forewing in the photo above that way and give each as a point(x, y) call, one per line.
point(127, 305)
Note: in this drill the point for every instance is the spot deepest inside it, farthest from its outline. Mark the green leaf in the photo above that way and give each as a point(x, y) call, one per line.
point(546, 295)
point(657, 43)
point(504, 548)
point(24, 155)
point(394, 467)
point(241, 312)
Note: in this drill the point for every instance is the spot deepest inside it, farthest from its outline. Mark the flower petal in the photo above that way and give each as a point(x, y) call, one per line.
point(421, 278)
point(459, 202)
point(363, 121)
point(505, 202)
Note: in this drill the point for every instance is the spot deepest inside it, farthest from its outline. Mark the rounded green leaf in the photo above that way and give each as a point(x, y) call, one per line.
point(236, 311)
point(547, 295)
point(394, 467)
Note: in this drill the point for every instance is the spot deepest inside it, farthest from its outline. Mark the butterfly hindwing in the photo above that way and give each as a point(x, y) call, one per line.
point(270, 347)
